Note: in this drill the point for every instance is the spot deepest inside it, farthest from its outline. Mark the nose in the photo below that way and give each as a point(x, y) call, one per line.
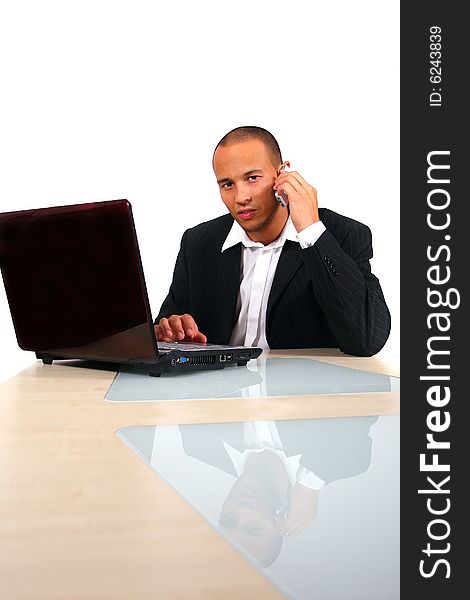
point(242, 194)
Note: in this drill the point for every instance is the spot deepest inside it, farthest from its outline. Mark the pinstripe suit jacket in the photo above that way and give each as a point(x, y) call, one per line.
point(322, 296)
point(330, 448)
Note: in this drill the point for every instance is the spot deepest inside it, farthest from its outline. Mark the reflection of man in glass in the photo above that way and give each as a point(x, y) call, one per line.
point(262, 507)
point(280, 469)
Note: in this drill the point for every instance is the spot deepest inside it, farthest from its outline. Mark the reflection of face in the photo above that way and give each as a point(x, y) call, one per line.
point(246, 175)
point(248, 516)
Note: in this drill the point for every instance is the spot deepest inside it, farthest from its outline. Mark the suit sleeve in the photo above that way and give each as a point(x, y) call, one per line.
point(336, 448)
point(177, 301)
point(348, 293)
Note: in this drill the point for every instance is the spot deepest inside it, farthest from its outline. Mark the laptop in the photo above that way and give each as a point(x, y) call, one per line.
point(76, 289)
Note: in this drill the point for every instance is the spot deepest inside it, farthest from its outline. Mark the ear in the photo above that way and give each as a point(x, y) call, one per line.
point(285, 164)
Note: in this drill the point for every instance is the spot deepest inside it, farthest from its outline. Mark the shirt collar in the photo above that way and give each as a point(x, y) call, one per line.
point(237, 234)
point(291, 463)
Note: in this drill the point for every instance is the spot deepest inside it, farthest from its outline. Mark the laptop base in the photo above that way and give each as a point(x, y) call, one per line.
point(171, 362)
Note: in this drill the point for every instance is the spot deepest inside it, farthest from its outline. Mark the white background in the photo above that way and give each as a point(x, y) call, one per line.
point(127, 99)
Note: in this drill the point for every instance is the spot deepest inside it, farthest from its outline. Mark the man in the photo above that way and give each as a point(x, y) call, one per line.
point(279, 470)
point(273, 276)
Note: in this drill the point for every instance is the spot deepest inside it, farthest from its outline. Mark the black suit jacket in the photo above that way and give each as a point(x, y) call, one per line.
point(331, 448)
point(322, 296)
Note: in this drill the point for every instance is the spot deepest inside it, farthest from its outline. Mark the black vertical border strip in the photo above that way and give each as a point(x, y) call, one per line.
point(424, 129)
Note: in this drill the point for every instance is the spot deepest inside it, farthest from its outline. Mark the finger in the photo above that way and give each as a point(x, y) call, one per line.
point(297, 529)
point(301, 180)
point(294, 182)
point(311, 191)
point(287, 189)
point(166, 328)
point(200, 337)
point(161, 337)
point(299, 183)
point(295, 519)
point(176, 327)
point(303, 524)
point(189, 326)
point(293, 528)
point(192, 330)
point(285, 525)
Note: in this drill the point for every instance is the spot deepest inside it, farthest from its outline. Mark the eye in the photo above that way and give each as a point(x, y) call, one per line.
point(227, 185)
point(228, 520)
point(253, 177)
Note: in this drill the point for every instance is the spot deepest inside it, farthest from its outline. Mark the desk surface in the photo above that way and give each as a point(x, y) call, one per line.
point(82, 517)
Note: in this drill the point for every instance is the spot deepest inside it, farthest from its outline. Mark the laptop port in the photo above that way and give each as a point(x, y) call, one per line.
point(202, 360)
point(223, 358)
point(229, 357)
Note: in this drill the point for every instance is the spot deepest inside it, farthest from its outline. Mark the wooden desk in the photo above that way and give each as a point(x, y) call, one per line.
point(81, 517)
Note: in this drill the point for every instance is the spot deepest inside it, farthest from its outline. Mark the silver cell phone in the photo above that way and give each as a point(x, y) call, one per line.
point(282, 201)
point(282, 198)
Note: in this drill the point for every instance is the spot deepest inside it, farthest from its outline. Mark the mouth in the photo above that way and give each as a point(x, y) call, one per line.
point(246, 213)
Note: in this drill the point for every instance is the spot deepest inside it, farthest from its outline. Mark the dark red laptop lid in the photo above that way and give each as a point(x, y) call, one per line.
point(74, 282)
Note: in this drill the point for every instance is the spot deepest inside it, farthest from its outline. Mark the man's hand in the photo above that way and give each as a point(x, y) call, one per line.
point(302, 510)
point(179, 328)
point(302, 198)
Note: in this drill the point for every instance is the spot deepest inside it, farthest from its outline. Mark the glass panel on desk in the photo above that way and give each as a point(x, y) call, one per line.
point(313, 504)
point(260, 378)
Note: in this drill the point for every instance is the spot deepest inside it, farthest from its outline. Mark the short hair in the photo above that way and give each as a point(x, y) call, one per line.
point(250, 132)
point(272, 552)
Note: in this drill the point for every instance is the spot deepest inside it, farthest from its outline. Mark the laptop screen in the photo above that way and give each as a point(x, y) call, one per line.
point(74, 282)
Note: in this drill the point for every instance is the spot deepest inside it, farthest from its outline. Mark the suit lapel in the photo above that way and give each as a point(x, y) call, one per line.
point(289, 262)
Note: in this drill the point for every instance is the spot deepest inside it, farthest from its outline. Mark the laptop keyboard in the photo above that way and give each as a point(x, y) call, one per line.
point(187, 347)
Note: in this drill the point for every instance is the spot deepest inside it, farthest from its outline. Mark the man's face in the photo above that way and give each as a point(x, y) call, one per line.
point(247, 516)
point(246, 175)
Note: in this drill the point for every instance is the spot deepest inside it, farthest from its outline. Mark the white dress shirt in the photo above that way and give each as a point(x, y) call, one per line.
point(263, 435)
point(258, 266)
